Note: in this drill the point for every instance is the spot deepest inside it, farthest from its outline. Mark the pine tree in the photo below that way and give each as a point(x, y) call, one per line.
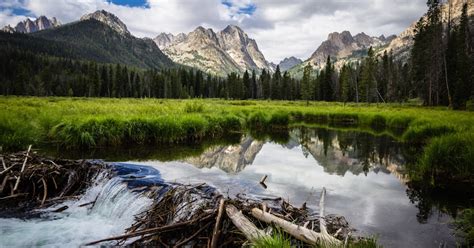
point(367, 78)
point(276, 84)
point(307, 88)
point(254, 85)
point(463, 76)
point(345, 84)
point(326, 81)
point(247, 85)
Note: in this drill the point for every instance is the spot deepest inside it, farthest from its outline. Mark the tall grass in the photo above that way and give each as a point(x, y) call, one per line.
point(94, 122)
point(278, 239)
point(465, 226)
point(448, 158)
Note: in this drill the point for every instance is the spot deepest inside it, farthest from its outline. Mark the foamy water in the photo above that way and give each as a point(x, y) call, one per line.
point(112, 213)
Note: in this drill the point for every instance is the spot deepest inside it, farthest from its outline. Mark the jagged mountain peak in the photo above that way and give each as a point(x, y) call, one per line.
point(207, 31)
point(109, 19)
point(232, 28)
point(289, 63)
point(222, 52)
point(163, 40)
point(30, 26)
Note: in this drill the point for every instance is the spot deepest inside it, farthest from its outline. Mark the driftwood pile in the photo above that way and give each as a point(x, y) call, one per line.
point(198, 216)
point(181, 215)
point(28, 180)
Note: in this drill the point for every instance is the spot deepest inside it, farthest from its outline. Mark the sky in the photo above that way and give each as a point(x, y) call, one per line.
point(282, 28)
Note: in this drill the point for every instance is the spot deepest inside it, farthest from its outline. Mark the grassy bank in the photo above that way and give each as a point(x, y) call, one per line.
point(89, 122)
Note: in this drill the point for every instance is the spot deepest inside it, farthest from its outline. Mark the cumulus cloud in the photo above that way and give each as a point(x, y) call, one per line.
point(282, 28)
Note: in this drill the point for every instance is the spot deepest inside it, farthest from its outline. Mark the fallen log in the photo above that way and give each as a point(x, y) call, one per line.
point(250, 231)
point(299, 232)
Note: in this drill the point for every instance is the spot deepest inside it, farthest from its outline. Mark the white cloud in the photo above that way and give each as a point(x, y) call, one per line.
point(282, 28)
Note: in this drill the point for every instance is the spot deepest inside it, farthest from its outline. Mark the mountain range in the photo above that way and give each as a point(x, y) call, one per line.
point(345, 48)
point(29, 26)
point(223, 52)
point(342, 48)
point(99, 36)
point(104, 38)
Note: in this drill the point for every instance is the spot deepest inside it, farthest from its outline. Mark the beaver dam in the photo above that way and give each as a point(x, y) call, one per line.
point(53, 193)
point(311, 187)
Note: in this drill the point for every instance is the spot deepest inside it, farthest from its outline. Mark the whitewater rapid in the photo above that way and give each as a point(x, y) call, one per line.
point(114, 210)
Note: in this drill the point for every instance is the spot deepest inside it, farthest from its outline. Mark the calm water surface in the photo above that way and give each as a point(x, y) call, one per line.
point(363, 175)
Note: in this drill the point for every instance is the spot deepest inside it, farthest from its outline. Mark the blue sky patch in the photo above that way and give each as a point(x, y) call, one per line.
point(20, 11)
point(131, 3)
point(249, 9)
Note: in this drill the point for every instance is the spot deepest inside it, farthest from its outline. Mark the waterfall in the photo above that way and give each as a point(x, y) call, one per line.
point(114, 210)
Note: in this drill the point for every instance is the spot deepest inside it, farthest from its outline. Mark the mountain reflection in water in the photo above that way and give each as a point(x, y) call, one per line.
point(364, 175)
point(337, 153)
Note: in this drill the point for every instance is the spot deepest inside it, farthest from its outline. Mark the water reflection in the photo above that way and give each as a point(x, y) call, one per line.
point(336, 152)
point(365, 176)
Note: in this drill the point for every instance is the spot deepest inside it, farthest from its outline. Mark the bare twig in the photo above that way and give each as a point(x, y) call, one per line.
point(45, 191)
point(152, 230)
point(192, 236)
point(7, 169)
point(22, 169)
point(216, 232)
point(3, 163)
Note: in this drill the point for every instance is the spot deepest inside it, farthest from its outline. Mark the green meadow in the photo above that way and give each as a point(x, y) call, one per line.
point(446, 136)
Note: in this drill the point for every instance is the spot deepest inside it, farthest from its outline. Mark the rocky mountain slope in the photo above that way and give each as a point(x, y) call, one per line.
point(232, 158)
point(99, 37)
point(400, 46)
point(229, 50)
point(29, 26)
point(108, 19)
point(289, 63)
point(342, 48)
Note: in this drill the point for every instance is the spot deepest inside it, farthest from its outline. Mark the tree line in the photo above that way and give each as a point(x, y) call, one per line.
point(439, 72)
point(442, 59)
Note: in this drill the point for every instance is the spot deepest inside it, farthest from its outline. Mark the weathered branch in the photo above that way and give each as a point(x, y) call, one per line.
point(299, 232)
point(22, 169)
point(325, 236)
point(151, 230)
point(217, 227)
point(192, 236)
point(250, 231)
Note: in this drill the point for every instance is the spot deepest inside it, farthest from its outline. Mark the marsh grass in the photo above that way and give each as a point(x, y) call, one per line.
point(465, 226)
point(449, 157)
point(96, 122)
point(278, 239)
